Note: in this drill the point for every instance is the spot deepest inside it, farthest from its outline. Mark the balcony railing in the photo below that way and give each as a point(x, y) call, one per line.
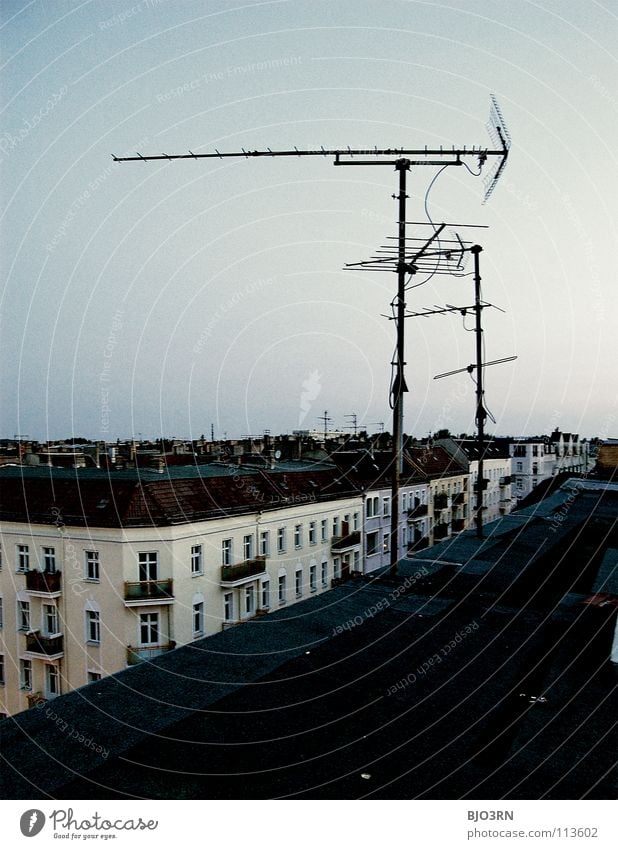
point(460, 498)
point(149, 590)
point(418, 545)
point(39, 644)
point(36, 699)
point(349, 541)
point(440, 501)
point(241, 571)
point(417, 512)
point(43, 582)
point(458, 525)
point(440, 531)
point(137, 654)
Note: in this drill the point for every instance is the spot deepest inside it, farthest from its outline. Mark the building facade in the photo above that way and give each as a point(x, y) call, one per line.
point(168, 561)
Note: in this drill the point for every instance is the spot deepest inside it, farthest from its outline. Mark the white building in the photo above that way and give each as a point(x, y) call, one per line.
point(103, 570)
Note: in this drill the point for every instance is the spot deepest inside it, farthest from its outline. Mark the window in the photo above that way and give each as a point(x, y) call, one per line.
point(247, 547)
point(93, 676)
point(336, 568)
point(249, 600)
point(282, 589)
point(281, 540)
point(324, 573)
point(147, 562)
point(355, 520)
point(519, 451)
point(298, 536)
point(372, 543)
point(226, 552)
point(52, 681)
point(299, 583)
point(1, 614)
point(198, 618)
point(335, 526)
point(49, 560)
point(0, 558)
point(385, 542)
point(149, 629)
point(520, 467)
point(324, 529)
point(1, 669)
point(372, 506)
point(357, 561)
point(93, 626)
point(313, 578)
point(228, 607)
point(196, 559)
point(92, 565)
point(386, 507)
point(25, 674)
point(50, 620)
point(23, 615)
point(23, 558)
point(312, 533)
point(266, 594)
point(264, 543)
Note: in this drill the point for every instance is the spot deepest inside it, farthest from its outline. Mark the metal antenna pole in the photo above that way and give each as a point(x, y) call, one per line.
point(480, 408)
point(399, 386)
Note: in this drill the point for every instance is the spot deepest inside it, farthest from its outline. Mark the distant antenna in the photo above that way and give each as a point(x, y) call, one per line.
point(353, 426)
point(326, 419)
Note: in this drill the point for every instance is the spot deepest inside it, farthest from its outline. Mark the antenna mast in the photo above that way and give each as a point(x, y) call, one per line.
point(402, 159)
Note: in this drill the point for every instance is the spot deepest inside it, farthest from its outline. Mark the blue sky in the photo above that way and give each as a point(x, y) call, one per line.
point(158, 298)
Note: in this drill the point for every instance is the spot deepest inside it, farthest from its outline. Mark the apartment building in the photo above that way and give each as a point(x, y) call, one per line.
point(497, 479)
point(100, 570)
point(448, 490)
point(540, 457)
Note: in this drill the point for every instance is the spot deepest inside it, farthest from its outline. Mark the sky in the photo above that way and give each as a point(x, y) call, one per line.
point(149, 299)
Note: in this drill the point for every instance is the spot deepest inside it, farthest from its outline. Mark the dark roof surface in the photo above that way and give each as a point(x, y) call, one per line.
point(143, 497)
point(482, 672)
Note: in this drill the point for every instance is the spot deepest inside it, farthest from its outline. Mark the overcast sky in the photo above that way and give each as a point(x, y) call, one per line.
point(160, 298)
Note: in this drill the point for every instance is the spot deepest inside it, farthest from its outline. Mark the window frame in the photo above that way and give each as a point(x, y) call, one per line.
point(92, 564)
point(198, 618)
point(197, 567)
point(26, 679)
point(93, 627)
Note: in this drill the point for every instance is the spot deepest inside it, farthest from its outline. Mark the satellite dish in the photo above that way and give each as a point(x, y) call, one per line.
point(277, 454)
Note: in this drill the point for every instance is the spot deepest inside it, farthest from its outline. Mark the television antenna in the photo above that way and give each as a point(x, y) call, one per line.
point(481, 411)
point(402, 159)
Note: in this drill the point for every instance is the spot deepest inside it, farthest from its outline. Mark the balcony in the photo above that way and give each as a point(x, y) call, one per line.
point(36, 699)
point(138, 593)
point(43, 583)
point(242, 573)
point(49, 647)
point(506, 480)
point(458, 525)
point(417, 512)
point(348, 541)
point(418, 545)
point(440, 531)
point(137, 654)
point(460, 498)
point(440, 501)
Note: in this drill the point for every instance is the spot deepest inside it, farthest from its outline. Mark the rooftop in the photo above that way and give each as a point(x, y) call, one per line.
point(482, 671)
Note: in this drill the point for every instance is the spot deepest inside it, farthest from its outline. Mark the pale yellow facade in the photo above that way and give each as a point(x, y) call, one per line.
point(112, 596)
